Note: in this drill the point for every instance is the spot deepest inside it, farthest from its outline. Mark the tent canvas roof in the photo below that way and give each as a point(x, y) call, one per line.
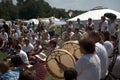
point(95, 14)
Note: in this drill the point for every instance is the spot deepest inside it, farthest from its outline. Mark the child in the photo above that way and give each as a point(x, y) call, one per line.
point(70, 74)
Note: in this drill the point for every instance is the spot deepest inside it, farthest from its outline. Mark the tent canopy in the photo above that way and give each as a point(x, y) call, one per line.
point(46, 20)
point(35, 21)
point(55, 20)
point(95, 14)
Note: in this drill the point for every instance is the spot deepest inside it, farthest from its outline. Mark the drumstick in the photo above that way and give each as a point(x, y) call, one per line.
point(62, 66)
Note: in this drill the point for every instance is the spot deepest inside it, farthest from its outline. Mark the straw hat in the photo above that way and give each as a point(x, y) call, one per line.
point(41, 56)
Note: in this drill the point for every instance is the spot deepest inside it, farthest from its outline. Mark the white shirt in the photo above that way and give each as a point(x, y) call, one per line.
point(111, 28)
point(23, 56)
point(116, 68)
point(90, 25)
point(4, 36)
point(104, 24)
point(72, 27)
point(32, 40)
point(28, 48)
point(102, 54)
point(67, 36)
point(15, 35)
point(37, 47)
point(76, 36)
point(88, 67)
point(109, 47)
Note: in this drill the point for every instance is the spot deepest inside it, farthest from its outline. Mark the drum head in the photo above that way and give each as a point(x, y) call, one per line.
point(58, 61)
point(72, 47)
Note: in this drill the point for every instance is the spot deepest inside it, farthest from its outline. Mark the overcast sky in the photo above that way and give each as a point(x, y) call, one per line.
point(84, 4)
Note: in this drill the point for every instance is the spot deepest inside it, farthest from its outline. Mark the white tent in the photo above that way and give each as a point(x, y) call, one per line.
point(55, 20)
point(46, 20)
point(60, 22)
point(95, 14)
point(35, 21)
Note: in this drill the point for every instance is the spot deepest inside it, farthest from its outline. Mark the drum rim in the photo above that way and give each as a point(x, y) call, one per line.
point(52, 73)
point(76, 43)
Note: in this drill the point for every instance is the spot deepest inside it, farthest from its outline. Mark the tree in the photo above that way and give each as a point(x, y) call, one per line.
point(8, 10)
point(20, 2)
point(27, 9)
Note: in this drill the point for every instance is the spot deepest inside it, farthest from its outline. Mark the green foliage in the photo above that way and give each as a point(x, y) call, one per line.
point(27, 9)
point(8, 11)
point(2, 56)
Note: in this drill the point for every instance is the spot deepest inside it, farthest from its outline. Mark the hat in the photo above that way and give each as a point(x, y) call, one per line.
point(41, 56)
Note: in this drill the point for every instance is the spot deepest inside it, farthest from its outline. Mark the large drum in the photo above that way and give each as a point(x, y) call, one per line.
point(72, 47)
point(58, 61)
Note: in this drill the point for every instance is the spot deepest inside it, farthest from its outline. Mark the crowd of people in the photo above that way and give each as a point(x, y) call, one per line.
point(23, 42)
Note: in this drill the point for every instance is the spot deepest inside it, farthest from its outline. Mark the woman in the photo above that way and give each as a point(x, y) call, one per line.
point(6, 73)
point(37, 48)
point(88, 66)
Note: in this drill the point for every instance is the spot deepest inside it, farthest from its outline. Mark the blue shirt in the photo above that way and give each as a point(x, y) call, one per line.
point(10, 75)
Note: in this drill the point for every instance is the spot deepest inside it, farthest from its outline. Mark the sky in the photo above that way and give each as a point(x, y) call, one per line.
point(84, 4)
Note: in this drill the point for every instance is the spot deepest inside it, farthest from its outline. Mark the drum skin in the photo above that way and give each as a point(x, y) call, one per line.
point(72, 47)
point(58, 61)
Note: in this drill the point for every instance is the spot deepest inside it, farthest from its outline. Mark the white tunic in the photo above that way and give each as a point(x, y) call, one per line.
point(23, 56)
point(28, 48)
point(109, 47)
point(111, 28)
point(102, 54)
point(104, 25)
point(4, 36)
point(116, 68)
point(88, 67)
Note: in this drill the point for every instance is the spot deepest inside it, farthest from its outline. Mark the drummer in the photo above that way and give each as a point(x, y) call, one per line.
point(77, 35)
point(52, 45)
point(88, 66)
point(66, 35)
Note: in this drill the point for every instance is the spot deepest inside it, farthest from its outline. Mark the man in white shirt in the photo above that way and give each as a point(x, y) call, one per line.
point(112, 26)
point(66, 36)
point(27, 47)
point(88, 66)
point(90, 24)
point(116, 68)
point(22, 54)
point(100, 50)
point(105, 36)
point(4, 35)
point(103, 25)
point(77, 35)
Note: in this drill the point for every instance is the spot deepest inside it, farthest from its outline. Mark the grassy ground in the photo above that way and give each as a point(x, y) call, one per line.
point(2, 55)
point(58, 31)
point(50, 77)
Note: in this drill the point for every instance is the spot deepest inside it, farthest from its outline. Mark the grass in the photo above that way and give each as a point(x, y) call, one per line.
point(2, 55)
point(58, 31)
point(50, 77)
